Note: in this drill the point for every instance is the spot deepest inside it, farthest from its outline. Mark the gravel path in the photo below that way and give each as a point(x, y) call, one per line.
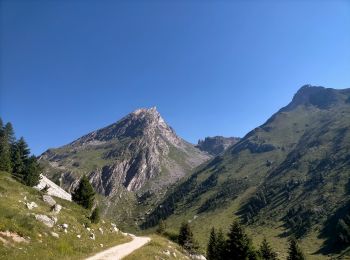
point(120, 251)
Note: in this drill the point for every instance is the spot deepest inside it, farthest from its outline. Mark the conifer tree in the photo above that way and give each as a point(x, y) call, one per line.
point(239, 245)
point(212, 246)
point(161, 227)
point(294, 251)
point(266, 252)
point(31, 174)
point(186, 239)
point(95, 216)
point(84, 194)
point(5, 152)
point(220, 245)
point(10, 133)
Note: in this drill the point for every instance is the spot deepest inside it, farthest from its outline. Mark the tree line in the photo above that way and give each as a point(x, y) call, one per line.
point(236, 245)
point(15, 157)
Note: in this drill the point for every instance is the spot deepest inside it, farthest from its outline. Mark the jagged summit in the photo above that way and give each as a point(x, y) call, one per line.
point(143, 121)
point(317, 96)
point(139, 149)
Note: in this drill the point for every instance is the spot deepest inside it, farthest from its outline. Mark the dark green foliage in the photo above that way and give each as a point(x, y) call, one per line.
point(95, 215)
point(266, 252)
point(294, 251)
point(161, 227)
point(220, 245)
point(31, 176)
point(14, 157)
point(84, 194)
point(5, 152)
point(212, 246)
point(239, 245)
point(229, 190)
point(186, 239)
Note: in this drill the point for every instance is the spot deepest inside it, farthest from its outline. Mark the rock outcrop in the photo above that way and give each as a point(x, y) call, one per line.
point(216, 145)
point(137, 151)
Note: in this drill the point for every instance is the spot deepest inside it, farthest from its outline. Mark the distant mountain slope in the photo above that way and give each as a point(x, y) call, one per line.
point(289, 174)
point(138, 154)
point(217, 144)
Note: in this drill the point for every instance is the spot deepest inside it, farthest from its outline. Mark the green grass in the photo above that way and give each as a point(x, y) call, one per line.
point(156, 249)
point(15, 217)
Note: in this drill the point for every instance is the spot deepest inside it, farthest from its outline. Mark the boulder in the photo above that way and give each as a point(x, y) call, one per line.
point(49, 200)
point(31, 205)
point(79, 236)
point(55, 235)
point(101, 230)
point(56, 208)
point(92, 236)
point(65, 226)
point(45, 220)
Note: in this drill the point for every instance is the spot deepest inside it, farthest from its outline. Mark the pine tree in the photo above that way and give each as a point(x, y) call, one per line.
point(239, 245)
point(161, 227)
point(220, 245)
point(10, 133)
point(186, 239)
point(266, 251)
point(294, 251)
point(31, 174)
point(212, 246)
point(84, 194)
point(95, 216)
point(16, 161)
point(5, 152)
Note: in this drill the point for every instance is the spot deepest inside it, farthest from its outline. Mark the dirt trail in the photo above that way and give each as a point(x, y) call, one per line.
point(120, 251)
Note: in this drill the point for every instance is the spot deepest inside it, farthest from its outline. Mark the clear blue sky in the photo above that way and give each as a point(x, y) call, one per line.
point(211, 67)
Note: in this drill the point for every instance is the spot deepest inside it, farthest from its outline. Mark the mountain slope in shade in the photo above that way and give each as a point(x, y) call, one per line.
point(217, 144)
point(138, 153)
point(287, 177)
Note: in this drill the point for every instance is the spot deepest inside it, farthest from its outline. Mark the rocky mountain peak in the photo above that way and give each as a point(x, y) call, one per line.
point(317, 96)
point(146, 122)
point(136, 149)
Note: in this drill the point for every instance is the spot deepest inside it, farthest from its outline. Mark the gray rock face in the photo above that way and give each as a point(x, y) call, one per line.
point(216, 145)
point(137, 151)
point(49, 200)
point(45, 220)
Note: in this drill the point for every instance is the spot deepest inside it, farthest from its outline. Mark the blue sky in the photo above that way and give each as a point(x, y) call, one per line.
point(210, 67)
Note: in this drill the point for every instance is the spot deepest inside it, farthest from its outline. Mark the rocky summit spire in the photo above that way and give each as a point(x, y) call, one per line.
point(139, 149)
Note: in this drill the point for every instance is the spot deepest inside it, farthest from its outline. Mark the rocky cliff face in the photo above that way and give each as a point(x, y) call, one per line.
point(217, 144)
point(139, 152)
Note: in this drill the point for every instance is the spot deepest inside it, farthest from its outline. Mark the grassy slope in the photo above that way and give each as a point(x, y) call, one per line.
point(158, 248)
point(15, 217)
point(284, 131)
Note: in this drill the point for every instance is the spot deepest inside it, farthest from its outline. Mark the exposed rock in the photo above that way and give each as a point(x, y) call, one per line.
point(45, 220)
point(142, 147)
point(64, 226)
point(79, 236)
point(56, 208)
point(167, 252)
point(54, 189)
point(49, 200)
point(92, 236)
point(13, 236)
point(31, 205)
point(198, 257)
point(55, 234)
point(216, 145)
